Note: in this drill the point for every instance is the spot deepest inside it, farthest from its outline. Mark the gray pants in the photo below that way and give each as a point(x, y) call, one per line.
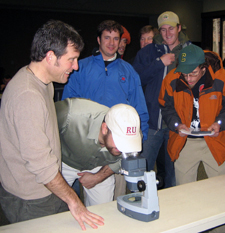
point(17, 209)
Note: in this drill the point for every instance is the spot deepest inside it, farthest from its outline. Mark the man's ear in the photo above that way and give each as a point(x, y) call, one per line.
point(104, 128)
point(50, 56)
point(179, 27)
point(99, 40)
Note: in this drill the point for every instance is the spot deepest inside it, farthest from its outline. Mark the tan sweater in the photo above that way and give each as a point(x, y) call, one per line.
point(30, 148)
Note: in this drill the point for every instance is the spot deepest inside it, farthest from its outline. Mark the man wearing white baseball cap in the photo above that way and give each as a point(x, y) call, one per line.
point(123, 121)
point(152, 63)
point(92, 139)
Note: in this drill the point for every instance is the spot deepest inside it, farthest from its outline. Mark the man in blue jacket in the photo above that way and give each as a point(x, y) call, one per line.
point(152, 63)
point(107, 79)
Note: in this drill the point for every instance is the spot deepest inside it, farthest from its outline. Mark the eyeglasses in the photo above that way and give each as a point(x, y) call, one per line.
point(192, 75)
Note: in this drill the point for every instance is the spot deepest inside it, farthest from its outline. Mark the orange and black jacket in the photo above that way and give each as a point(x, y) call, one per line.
point(176, 101)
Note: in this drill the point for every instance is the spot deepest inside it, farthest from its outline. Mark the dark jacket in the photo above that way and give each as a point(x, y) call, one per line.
point(151, 70)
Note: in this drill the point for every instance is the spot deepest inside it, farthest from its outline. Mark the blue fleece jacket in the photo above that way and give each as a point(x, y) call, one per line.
point(114, 84)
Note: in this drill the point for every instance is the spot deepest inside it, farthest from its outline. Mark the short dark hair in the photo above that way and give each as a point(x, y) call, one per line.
point(54, 36)
point(213, 60)
point(109, 25)
point(147, 29)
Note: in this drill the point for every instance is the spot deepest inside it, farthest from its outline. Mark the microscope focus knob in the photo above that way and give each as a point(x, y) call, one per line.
point(141, 185)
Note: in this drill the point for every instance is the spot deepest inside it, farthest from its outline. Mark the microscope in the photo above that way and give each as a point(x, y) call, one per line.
point(142, 203)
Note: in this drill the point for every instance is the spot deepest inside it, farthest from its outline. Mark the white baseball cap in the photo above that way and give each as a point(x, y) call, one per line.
point(124, 123)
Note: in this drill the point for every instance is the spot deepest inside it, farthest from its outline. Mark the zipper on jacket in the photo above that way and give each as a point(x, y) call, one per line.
point(106, 71)
point(159, 126)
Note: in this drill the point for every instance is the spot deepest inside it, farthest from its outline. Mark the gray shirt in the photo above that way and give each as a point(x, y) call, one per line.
point(79, 122)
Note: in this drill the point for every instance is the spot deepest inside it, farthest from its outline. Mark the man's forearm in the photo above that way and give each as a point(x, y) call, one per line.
point(89, 180)
point(60, 188)
point(104, 173)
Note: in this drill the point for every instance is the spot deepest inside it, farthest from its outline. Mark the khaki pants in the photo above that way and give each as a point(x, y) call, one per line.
point(120, 186)
point(195, 151)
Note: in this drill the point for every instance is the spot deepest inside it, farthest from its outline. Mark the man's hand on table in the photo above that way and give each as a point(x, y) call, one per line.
point(82, 215)
point(60, 188)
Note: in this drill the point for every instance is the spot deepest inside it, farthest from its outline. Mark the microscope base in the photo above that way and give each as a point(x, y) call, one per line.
point(131, 206)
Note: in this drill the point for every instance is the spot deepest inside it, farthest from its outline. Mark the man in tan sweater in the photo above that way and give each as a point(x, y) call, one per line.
point(30, 155)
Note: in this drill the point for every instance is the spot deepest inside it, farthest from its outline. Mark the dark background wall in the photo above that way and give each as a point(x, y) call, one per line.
point(19, 19)
point(19, 25)
point(189, 11)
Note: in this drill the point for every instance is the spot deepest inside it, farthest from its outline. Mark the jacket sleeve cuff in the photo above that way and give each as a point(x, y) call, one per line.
point(221, 123)
point(174, 125)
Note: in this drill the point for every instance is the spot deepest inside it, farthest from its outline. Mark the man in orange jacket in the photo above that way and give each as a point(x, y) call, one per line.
point(192, 100)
